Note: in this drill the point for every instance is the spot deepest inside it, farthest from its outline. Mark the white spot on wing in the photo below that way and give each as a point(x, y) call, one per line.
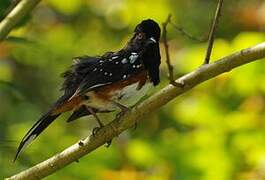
point(115, 57)
point(117, 62)
point(105, 73)
point(124, 61)
point(124, 76)
point(133, 57)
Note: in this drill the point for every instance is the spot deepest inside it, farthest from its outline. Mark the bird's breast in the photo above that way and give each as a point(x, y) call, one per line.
point(127, 92)
point(130, 95)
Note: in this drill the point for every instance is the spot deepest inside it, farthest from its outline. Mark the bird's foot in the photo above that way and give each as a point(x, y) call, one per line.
point(95, 130)
point(178, 83)
point(123, 111)
point(108, 143)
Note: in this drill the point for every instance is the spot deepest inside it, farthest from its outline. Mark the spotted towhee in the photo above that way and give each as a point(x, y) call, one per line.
point(104, 83)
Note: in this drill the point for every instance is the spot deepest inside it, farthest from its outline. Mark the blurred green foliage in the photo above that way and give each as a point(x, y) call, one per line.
point(215, 131)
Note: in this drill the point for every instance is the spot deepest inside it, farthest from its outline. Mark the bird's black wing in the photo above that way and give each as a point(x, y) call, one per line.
point(116, 67)
point(75, 75)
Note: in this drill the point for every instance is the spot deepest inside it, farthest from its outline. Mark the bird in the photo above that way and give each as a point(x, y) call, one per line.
point(101, 84)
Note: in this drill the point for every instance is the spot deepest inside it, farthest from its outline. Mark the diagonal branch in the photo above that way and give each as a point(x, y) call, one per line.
point(12, 19)
point(148, 106)
point(212, 31)
point(188, 35)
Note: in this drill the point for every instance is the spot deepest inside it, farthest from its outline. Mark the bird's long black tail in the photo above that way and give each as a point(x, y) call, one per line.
point(36, 129)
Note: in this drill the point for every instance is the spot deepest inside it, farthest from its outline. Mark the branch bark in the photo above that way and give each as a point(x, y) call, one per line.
point(11, 20)
point(117, 126)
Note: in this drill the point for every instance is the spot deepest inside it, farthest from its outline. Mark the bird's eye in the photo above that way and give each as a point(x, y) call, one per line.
point(140, 36)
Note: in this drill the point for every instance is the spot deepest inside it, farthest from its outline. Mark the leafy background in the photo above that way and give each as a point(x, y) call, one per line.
point(215, 131)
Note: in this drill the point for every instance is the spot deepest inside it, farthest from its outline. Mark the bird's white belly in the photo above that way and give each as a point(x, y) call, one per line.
point(128, 96)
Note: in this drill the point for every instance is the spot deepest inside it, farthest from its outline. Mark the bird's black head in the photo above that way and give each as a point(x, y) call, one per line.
point(147, 30)
point(146, 38)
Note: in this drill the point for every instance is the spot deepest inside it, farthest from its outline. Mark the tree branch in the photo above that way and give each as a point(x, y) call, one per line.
point(148, 106)
point(186, 34)
point(212, 31)
point(169, 66)
point(11, 20)
point(168, 61)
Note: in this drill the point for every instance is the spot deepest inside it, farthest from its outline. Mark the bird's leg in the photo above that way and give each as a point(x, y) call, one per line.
point(95, 130)
point(123, 108)
point(96, 117)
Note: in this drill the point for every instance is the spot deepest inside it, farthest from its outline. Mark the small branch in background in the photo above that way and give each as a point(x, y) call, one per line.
point(212, 31)
point(185, 33)
point(169, 66)
point(13, 4)
point(15, 15)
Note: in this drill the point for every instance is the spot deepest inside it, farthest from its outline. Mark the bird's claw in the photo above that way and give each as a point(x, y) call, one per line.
point(179, 83)
point(108, 143)
point(95, 130)
point(123, 111)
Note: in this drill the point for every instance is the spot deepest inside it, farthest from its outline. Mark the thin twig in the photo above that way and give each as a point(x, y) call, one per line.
point(185, 33)
point(14, 16)
point(212, 31)
point(169, 66)
point(140, 111)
